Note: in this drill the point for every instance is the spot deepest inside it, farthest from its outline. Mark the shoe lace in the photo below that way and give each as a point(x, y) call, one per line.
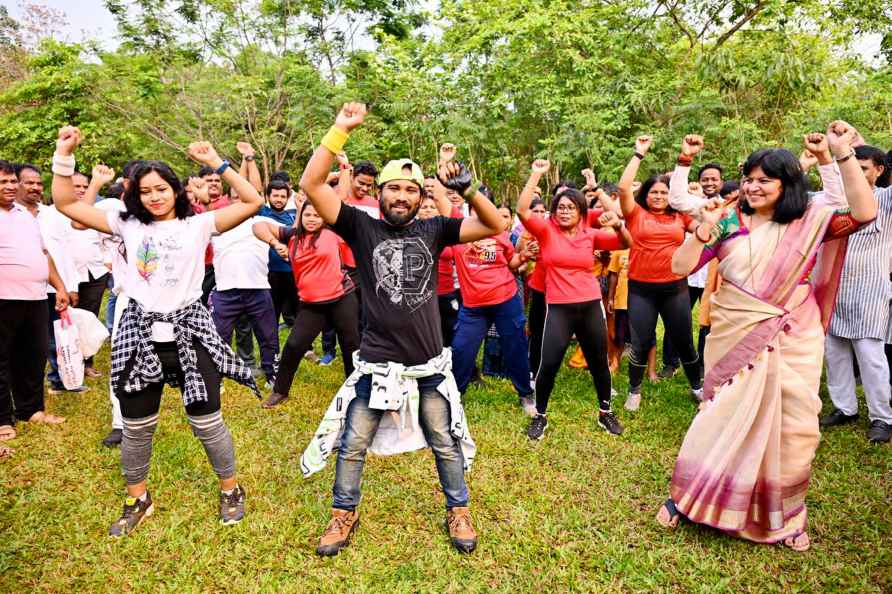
point(459, 522)
point(231, 499)
point(609, 418)
point(336, 525)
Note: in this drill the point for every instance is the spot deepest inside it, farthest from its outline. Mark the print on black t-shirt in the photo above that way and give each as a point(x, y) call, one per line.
point(403, 270)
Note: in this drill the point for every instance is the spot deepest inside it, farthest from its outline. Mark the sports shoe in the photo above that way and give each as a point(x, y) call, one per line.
point(609, 422)
point(528, 404)
point(338, 532)
point(135, 510)
point(232, 506)
point(113, 438)
point(61, 389)
point(879, 432)
point(697, 394)
point(837, 417)
point(667, 372)
point(274, 399)
point(633, 400)
point(536, 430)
point(461, 531)
point(327, 359)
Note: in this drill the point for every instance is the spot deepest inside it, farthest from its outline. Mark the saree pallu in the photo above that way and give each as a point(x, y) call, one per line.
point(745, 463)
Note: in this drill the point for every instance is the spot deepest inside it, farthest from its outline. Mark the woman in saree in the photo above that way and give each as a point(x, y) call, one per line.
point(745, 463)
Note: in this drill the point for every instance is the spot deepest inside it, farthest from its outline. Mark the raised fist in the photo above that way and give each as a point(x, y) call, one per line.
point(205, 153)
point(589, 176)
point(712, 211)
point(69, 139)
point(609, 219)
point(199, 189)
point(807, 160)
point(245, 149)
point(103, 174)
point(342, 159)
point(540, 166)
point(691, 145)
point(841, 137)
point(454, 176)
point(642, 144)
point(816, 143)
point(447, 152)
point(696, 189)
point(351, 115)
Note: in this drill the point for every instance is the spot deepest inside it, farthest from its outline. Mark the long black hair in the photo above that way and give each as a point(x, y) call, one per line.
point(644, 190)
point(301, 232)
point(782, 165)
point(132, 200)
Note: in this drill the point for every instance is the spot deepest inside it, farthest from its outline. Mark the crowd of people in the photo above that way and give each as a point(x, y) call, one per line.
point(409, 275)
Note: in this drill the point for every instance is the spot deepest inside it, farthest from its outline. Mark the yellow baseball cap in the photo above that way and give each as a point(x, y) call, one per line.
point(401, 169)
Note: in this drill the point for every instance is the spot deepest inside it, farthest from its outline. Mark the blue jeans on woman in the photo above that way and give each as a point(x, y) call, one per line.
point(361, 425)
point(473, 322)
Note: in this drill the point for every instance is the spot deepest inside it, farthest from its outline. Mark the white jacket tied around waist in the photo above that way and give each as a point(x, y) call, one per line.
point(394, 389)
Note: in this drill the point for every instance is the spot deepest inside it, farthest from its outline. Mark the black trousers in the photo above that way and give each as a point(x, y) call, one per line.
point(670, 355)
point(342, 315)
point(536, 318)
point(671, 301)
point(284, 296)
point(23, 347)
point(449, 305)
point(147, 402)
point(562, 320)
point(90, 298)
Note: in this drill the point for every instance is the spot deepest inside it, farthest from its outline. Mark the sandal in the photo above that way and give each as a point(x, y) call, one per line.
point(668, 516)
point(800, 543)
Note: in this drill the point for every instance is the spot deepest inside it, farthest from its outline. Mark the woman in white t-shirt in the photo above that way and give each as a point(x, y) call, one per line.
point(165, 335)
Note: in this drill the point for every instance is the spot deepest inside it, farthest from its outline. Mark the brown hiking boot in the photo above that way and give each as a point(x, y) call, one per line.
point(458, 522)
point(338, 532)
point(274, 399)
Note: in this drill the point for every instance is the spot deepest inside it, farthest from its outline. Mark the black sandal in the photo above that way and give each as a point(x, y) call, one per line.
point(674, 514)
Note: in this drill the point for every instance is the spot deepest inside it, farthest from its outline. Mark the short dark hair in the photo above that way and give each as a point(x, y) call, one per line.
point(564, 183)
point(782, 165)
point(128, 167)
point(276, 184)
point(610, 188)
point(206, 170)
point(7, 167)
point(878, 158)
point(505, 205)
point(80, 173)
point(280, 176)
point(115, 191)
point(536, 202)
point(573, 195)
point(20, 167)
point(644, 190)
point(133, 202)
point(365, 168)
point(729, 187)
point(710, 166)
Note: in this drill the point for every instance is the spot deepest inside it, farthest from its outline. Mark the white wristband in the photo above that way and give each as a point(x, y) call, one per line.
point(63, 165)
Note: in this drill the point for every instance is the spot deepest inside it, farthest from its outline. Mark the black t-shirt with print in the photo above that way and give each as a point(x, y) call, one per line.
point(398, 274)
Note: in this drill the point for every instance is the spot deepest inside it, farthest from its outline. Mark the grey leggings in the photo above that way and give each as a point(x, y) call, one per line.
point(140, 412)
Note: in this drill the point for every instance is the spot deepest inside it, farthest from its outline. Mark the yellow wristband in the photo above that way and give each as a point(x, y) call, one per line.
point(335, 140)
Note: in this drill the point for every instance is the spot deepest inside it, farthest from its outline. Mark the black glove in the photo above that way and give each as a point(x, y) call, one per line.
point(460, 182)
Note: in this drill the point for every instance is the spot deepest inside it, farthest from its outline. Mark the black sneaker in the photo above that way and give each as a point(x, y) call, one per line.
point(667, 372)
point(879, 432)
point(113, 439)
point(135, 510)
point(609, 422)
point(232, 506)
point(536, 430)
point(837, 417)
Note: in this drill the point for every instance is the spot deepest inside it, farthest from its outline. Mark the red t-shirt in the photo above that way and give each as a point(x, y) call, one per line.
point(656, 236)
point(318, 272)
point(483, 274)
point(569, 260)
point(199, 208)
point(445, 268)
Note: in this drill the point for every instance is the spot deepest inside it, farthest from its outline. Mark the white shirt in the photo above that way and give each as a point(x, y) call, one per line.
point(57, 234)
point(111, 247)
point(165, 263)
point(241, 261)
point(85, 246)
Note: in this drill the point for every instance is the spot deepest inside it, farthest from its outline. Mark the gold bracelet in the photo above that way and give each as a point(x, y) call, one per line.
point(335, 140)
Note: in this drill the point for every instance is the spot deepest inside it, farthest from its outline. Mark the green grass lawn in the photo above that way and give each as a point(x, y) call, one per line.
point(574, 512)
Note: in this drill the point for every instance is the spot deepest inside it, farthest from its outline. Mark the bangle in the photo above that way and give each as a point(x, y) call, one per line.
point(63, 165)
point(249, 159)
point(223, 167)
point(697, 235)
point(685, 160)
point(345, 167)
point(846, 157)
point(639, 155)
point(335, 139)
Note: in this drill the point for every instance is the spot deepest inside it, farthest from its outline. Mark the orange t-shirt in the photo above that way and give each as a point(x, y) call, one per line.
point(656, 236)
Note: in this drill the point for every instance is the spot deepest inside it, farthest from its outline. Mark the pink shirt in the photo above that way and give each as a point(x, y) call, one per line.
point(24, 269)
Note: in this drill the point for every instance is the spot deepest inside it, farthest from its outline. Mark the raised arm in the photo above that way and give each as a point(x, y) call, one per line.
point(818, 147)
point(444, 205)
point(102, 174)
point(679, 197)
point(248, 168)
point(488, 222)
point(539, 168)
point(63, 189)
point(610, 220)
point(859, 195)
point(626, 196)
point(323, 197)
point(345, 176)
point(250, 200)
point(687, 256)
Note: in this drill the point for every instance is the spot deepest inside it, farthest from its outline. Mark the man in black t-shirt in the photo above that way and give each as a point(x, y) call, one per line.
point(396, 257)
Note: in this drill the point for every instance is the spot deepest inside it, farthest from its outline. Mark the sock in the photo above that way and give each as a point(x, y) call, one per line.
point(229, 492)
point(143, 496)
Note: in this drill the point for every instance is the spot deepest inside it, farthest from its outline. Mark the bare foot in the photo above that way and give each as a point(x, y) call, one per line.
point(666, 519)
point(91, 372)
point(800, 543)
point(44, 417)
point(6, 451)
point(7, 432)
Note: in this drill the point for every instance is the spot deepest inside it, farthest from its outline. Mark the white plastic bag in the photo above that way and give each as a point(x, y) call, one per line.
point(91, 331)
point(68, 351)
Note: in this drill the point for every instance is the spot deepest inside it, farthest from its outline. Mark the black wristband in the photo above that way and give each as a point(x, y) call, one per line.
point(639, 155)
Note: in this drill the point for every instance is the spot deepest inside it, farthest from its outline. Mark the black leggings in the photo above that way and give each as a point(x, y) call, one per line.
point(671, 302)
point(536, 319)
point(311, 319)
point(562, 320)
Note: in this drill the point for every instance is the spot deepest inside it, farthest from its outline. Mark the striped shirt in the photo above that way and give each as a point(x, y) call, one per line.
point(862, 303)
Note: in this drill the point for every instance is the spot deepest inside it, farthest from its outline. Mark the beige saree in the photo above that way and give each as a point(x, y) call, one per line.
point(745, 463)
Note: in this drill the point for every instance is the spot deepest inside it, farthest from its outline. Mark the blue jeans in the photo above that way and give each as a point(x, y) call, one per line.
point(110, 305)
point(52, 375)
point(473, 322)
point(257, 304)
point(361, 425)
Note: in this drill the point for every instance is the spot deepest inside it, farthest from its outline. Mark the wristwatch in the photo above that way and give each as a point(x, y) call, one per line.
point(223, 167)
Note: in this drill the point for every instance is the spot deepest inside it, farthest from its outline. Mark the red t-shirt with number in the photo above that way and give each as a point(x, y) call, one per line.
point(656, 236)
point(483, 274)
